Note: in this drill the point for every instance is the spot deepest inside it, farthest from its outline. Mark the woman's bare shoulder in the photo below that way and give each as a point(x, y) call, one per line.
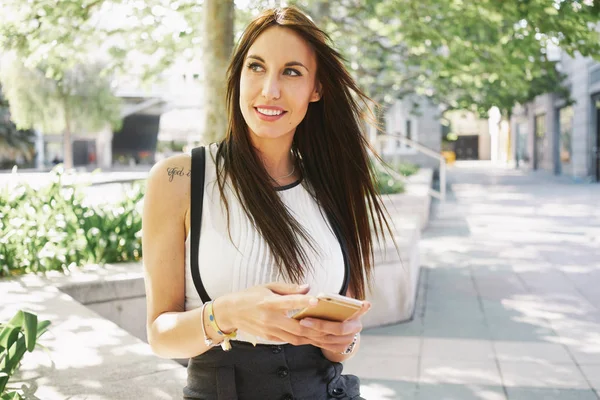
point(178, 165)
point(169, 179)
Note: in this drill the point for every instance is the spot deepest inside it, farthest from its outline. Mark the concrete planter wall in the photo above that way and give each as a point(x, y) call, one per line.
point(396, 273)
point(116, 292)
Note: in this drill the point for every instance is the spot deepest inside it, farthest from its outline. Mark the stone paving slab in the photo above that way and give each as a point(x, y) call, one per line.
point(521, 393)
point(88, 356)
point(447, 391)
point(508, 304)
point(592, 373)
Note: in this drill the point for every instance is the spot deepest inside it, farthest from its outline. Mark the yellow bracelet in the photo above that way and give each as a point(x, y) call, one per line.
point(225, 345)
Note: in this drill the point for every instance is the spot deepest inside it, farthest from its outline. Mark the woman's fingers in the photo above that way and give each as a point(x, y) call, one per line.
point(277, 334)
point(289, 302)
point(349, 327)
point(286, 288)
point(335, 340)
point(366, 306)
point(333, 343)
point(293, 326)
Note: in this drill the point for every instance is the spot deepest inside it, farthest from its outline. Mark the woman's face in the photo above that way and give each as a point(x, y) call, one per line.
point(277, 83)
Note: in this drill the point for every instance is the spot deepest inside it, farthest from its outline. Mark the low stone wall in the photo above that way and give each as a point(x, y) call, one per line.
point(416, 200)
point(395, 277)
point(396, 272)
point(114, 291)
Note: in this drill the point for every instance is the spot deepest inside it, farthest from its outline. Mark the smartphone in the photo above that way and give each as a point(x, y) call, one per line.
point(331, 307)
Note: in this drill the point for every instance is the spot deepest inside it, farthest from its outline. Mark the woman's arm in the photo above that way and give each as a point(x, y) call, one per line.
point(172, 331)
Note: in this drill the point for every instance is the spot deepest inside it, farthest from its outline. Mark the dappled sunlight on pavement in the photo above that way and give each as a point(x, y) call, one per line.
point(508, 304)
point(85, 351)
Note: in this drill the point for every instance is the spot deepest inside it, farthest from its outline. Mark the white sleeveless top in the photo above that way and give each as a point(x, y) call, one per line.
point(227, 266)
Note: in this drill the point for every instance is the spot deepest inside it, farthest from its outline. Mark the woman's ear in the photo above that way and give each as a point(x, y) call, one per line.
point(317, 93)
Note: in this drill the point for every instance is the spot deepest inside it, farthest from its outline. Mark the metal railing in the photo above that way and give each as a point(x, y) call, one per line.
point(441, 194)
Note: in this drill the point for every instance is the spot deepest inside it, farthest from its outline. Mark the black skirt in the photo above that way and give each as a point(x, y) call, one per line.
point(268, 372)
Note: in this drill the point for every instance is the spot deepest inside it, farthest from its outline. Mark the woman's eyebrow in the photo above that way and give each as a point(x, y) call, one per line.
point(288, 64)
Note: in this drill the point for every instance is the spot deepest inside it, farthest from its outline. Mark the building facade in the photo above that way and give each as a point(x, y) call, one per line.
point(564, 139)
point(417, 119)
point(472, 138)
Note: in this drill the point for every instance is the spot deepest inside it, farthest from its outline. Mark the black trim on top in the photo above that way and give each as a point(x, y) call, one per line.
point(288, 186)
point(196, 203)
point(343, 245)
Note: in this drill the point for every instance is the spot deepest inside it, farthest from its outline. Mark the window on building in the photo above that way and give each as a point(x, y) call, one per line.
point(522, 150)
point(408, 131)
point(565, 117)
point(540, 138)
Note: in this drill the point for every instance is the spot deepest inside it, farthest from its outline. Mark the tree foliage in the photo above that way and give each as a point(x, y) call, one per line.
point(141, 37)
point(83, 95)
point(81, 100)
point(488, 53)
point(14, 143)
point(465, 54)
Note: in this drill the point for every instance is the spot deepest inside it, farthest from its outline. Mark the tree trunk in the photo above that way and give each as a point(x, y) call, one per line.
point(509, 140)
point(217, 47)
point(67, 141)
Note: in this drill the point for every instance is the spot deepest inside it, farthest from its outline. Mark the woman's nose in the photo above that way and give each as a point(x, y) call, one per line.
point(271, 88)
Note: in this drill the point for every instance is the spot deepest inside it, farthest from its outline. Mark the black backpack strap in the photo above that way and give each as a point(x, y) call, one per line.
point(344, 246)
point(196, 203)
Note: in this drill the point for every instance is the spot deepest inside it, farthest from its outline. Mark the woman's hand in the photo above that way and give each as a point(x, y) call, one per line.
point(262, 311)
point(334, 336)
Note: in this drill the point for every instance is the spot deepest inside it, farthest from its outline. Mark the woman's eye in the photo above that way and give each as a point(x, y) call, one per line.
point(293, 72)
point(255, 67)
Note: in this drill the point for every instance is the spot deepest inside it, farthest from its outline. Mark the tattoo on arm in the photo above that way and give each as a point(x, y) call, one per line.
point(177, 171)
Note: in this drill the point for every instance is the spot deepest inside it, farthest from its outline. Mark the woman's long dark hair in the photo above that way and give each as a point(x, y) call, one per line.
point(330, 150)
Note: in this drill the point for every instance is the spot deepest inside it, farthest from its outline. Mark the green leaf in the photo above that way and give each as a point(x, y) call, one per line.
point(15, 354)
point(42, 327)
point(8, 336)
point(3, 381)
point(17, 320)
point(11, 396)
point(30, 326)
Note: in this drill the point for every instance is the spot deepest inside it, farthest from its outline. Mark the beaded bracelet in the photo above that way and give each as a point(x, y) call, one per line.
point(225, 345)
point(208, 341)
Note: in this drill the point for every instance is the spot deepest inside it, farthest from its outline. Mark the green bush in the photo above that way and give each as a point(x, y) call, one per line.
point(406, 169)
point(20, 334)
point(386, 184)
point(53, 228)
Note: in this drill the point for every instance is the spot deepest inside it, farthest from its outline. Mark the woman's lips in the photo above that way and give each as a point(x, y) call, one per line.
point(266, 117)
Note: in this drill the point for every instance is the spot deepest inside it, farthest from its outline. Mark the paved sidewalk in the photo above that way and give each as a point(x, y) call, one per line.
point(509, 298)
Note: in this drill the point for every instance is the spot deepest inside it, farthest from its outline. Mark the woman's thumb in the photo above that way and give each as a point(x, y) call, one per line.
point(287, 288)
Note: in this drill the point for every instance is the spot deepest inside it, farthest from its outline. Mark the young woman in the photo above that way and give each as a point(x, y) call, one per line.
point(288, 209)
